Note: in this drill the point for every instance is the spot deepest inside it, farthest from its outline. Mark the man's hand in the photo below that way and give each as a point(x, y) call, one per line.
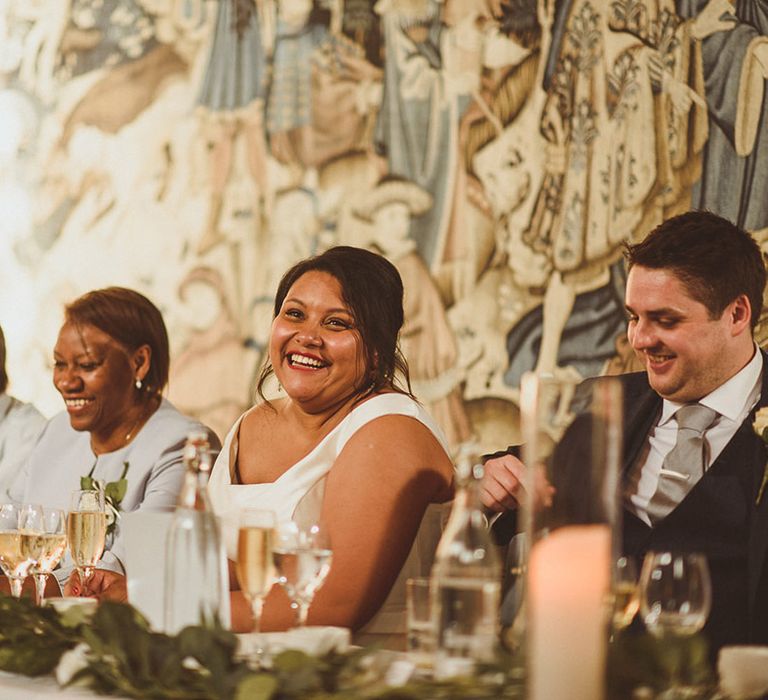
point(101, 584)
point(502, 489)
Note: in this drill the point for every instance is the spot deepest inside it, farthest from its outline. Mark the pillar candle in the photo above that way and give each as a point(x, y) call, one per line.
point(568, 579)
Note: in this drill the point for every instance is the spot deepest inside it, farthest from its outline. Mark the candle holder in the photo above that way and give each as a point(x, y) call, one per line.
point(572, 450)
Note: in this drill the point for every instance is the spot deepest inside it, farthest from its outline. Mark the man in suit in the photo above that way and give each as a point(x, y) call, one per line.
point(693, 298)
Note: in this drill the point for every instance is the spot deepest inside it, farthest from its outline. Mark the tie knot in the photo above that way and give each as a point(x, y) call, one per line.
point(695, 417)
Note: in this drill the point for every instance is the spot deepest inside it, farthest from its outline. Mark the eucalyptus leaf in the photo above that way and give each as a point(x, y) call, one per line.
point(115, 491)
point(257, 687)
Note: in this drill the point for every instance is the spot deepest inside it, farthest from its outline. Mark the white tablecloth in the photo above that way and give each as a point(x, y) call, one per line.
point(13, 687)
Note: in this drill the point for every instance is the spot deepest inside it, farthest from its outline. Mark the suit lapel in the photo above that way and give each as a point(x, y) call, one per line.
point(641, 408)
point(758, 534)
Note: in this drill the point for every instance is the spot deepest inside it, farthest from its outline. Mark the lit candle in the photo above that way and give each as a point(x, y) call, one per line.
point(569, 577)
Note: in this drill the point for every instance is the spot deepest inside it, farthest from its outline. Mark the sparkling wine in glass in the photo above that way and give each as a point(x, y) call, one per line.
point(675, 600)
point(52, 543)
point(86, 530)
point(625, 593)
point(18, 545)
point(302, 558)
point(255, 569)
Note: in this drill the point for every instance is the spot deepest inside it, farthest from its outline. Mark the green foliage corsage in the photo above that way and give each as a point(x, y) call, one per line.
point(114, 492)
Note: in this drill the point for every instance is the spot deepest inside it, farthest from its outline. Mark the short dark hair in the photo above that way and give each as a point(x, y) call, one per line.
point(372, 288)
point(132, 320)
point(3, 373)
point(716, 260)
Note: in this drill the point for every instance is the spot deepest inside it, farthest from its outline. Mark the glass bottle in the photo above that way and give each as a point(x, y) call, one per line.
point(196, 581)
point(466, 582)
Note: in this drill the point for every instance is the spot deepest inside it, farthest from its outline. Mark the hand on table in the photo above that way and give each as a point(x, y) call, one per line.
point(101, 584)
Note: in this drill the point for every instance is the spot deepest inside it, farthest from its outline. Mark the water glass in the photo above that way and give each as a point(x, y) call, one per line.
point(675, 600)
point(302, 558)
point(676, 593)
point(421, 635)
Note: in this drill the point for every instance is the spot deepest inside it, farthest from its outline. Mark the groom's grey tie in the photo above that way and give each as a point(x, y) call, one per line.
point(684, 465)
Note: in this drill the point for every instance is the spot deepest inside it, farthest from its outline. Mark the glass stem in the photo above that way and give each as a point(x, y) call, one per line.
point(40, 581)
point(302, 611)
point(16, 584)
point(257, 605)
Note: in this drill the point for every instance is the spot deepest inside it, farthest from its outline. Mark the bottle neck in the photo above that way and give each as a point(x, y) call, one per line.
point(194, 490)
point(467, 497)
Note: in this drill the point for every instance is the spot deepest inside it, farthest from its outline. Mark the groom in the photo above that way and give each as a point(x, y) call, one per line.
point(692, 464)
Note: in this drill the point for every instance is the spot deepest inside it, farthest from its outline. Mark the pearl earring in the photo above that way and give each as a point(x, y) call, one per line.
point(138, 383)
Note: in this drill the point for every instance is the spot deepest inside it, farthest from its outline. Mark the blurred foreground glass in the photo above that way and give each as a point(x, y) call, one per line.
point(86, 530)
point(625, 594)
point(675, 600)
point(676, 593)
point(420, 624)
point(255, 570)
point(572, 451)
point(53, 542)
point(302, 557)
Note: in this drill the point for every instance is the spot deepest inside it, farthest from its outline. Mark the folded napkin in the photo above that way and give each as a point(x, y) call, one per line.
point(743, 671)
point(314, 641)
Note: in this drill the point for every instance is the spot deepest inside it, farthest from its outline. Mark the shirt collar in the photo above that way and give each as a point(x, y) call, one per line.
point(732, 397)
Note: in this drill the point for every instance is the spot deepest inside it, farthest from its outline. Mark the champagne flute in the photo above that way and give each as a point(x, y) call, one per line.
point(86, 530)
point(255, 570)
point(625, 594)
point(303, 559)
point(53, 543)
point(17, 553)
point(675, 600)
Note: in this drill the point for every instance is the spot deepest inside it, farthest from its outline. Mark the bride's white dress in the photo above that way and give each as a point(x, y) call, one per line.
point(298, 494)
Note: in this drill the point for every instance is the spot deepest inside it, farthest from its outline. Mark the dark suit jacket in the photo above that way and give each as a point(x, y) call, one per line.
point(642, 405)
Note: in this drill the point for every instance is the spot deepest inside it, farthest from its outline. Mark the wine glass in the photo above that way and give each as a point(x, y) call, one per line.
point(255, 569)
point(625, 594)
point(53, 544)
point(86, 530)
point(302, 557)
point(17, 545)
point(675, 600)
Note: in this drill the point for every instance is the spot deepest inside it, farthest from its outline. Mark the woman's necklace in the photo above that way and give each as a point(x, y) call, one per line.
point(146, 412)
point(130, 434)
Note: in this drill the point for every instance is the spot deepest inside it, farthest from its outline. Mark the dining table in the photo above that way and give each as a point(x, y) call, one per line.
point(16, 687)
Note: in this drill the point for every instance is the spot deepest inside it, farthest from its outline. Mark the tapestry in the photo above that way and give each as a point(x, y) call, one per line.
point(498, 152)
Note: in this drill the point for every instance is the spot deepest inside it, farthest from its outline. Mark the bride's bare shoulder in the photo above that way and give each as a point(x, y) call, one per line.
point(262, 416)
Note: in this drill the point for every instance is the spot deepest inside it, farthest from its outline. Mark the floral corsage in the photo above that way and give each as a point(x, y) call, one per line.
point(760, 426)
point(114, 492)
